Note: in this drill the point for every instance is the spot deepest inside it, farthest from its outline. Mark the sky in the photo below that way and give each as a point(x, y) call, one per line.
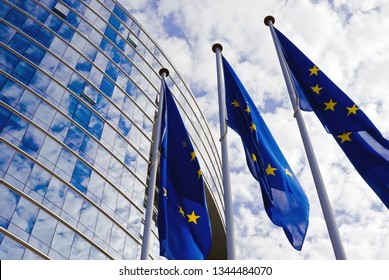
point(347, 40)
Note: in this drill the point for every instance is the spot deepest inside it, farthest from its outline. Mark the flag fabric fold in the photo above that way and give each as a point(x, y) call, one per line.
point(284, 199)
point(356, 135)
point(183, 219)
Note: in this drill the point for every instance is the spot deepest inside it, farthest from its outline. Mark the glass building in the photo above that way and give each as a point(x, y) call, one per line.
point(79, 85)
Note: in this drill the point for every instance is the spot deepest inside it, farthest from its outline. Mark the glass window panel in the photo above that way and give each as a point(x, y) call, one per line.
point(10, 249)
point(4, 9)
point(11, 92)
point(124, 125)
point(44, 115)
point(35, 53)
point(63, 239)
point(76, 84)
point(95, 37)
point(96, 125)
point(8, 202)
point(90, 51)
point(95, 254)
point(64, 73)
point(112, 70)
point(66, 161)
point(74, 137)
point(24, 72)
point(6, 33)
point(39, 179)
point(19, 43)
point(54, 92)
point(82, 173)
point(73, 19)
point(120, 147)
point(96, 185)
point(82, 115)
point(8, 60)
point(108, 136)
point(71, 56)
point(85, 28)
point(90, 94)
point(102, 160)
point(95, 75)
point(115, 170)
point(50, 152)
point(117, 240)
point(44, 37)
point(135, 221)
point(56, 192)
point(103, 227)
point(25, 215)
point(40, 13)
point(58, 46)
point(106, 46)
point(60, 126)
point(127, 183)
point(53, 22)
point(39, 82)
point(15, 17)
point(114, 22)
point(20, 168)
point(15, 128)
point(69, 103)
point(110, 197)
point(113, 114)
point(84, 66)
point(101, 60)
point(50, 62)
point(26, 6)
point(88, 149)
point(131, 249)
point(80, 249)
point(78, 41)
point(110, 33)
point(32, 140)
point(73, 204)
point(102, 105)
point(66, 32)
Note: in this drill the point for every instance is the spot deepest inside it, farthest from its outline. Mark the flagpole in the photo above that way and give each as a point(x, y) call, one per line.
point(217, 49)
point(321, 191)
point(153, 172)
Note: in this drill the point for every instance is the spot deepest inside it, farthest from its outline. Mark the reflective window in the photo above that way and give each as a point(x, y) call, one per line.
point(56, 192)
point(32, 140)
point(39, 179)
point(10, 249)
point(8, 202)
point(81, 176)
point(15, 17)
point(80, 249)
point(63, 239)
point(44, 227)
point(11, 92)
point(25, 215)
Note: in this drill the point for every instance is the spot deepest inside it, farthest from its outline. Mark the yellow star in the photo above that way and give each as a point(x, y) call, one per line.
point(235, 103)
point(316, 89)
point(330, 105)
point(253, 127)
point(287, 172)
point(352, 110)
point(345, 136)
point(247, 110)
point(184, 144)
point(164, 192)
point(254, 157)
point(270, 170)
point(313, 71)
point(193, 156)
point(199, 174)
point(181, 211)
point(192, 218)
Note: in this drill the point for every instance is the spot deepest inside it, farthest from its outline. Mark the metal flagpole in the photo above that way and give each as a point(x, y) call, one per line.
point(321, 191)
point(217, 49)
point(153, 172)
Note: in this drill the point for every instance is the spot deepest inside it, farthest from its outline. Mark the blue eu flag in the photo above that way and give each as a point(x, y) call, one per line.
point(356, 135)
point(285, 201)
point(183, 220)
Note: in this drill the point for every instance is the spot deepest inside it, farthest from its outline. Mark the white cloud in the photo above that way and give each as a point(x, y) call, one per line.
point(348, 41)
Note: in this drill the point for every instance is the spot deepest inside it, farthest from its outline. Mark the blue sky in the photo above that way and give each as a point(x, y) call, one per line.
point(346, 39)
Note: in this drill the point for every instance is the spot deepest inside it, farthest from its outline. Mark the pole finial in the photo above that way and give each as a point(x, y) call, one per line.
point(217, 46)
point(269, 18)
point(164, 70)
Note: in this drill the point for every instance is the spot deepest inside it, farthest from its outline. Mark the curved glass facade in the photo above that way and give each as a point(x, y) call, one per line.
point(78, 90)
